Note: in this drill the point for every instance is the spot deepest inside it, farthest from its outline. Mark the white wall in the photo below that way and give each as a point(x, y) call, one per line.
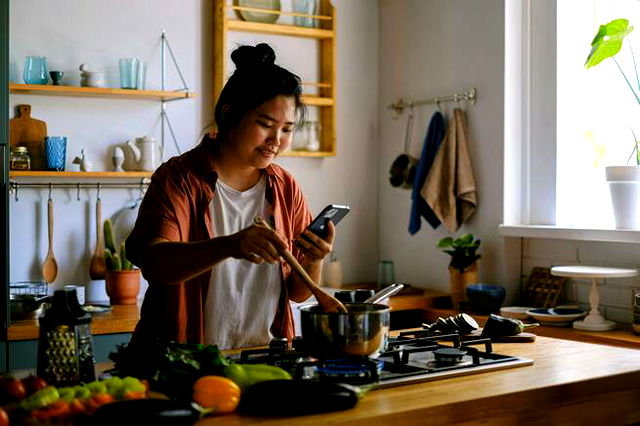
point(433, 48)
point(71, 32)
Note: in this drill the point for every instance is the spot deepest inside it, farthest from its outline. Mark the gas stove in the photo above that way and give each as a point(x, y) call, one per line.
point(409, 358)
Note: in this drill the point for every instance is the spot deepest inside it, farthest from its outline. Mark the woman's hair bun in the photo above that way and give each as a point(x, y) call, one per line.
point(253, 56)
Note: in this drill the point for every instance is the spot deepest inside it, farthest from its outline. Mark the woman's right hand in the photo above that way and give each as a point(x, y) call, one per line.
point(257, 244)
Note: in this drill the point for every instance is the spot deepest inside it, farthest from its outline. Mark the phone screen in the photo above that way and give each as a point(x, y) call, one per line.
point(332, 212)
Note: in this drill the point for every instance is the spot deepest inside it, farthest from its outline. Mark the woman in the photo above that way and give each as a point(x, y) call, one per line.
point(214, 276)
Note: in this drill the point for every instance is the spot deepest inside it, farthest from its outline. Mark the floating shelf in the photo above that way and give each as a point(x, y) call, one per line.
point(80, 175)
point(277, 29)
point(296, 153)
point(317, 101)
point(97, 92)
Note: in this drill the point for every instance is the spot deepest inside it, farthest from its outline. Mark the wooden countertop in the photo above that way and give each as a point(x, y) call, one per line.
point(622, 337)
point(570, 383)
point(121, 319)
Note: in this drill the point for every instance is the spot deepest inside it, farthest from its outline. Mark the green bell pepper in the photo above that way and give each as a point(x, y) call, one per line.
point(246, 375)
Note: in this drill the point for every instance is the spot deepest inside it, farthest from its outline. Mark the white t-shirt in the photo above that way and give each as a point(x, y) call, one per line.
point(243, 297)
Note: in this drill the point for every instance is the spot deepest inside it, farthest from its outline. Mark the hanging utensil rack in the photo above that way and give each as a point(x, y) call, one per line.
point(14, 187)
point(470, 96)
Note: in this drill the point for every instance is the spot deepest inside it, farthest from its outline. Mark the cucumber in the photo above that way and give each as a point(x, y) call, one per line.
point(297, 397)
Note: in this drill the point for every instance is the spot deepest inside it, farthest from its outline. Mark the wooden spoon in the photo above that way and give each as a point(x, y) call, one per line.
point(327, 302)
point(50, 266)
point(97, 267)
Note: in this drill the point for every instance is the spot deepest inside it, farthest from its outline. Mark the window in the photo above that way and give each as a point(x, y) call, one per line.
point(563, 123)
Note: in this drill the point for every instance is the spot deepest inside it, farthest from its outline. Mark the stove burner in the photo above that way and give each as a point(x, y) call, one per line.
point(345, 368)
point(448, 356)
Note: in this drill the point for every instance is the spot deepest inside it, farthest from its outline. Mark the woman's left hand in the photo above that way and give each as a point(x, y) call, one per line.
point(313, 247)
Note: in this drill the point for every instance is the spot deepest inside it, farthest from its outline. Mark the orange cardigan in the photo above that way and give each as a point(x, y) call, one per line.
point(176, 207)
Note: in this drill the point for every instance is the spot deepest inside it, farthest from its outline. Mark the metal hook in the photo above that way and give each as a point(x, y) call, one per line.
point(438, 104)
point(16, 186)
point(50, 185)
point(78, 191)
point(98, 194)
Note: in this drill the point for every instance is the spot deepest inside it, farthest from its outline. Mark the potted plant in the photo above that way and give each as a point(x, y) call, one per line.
point(122, 279)
point(463, 267)
point(624, 181)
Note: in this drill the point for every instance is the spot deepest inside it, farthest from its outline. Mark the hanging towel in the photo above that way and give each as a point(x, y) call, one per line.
point(450, 188)
point(419, 207)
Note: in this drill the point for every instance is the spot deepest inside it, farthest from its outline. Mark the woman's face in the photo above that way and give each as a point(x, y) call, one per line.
point(264, 132)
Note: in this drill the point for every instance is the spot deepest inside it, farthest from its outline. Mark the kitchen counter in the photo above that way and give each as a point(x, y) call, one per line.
point(121, 319)
point(570, 383)
point(623, 336)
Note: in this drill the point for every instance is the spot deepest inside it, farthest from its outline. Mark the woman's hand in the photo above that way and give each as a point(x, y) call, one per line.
point(257, 244)
point(313, 247)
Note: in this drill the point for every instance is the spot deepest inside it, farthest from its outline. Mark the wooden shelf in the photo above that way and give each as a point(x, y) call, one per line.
point(325, 97)
point(277, 29)
point(302, 153)
point(97, 92)
point(81, 175)
point(317, 101)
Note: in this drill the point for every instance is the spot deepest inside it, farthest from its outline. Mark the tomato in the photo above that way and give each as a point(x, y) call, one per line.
point(4, 417)
point(76, 406)
point(33, 384)
point(59, 408)
point(12, 389)
point(217, 392)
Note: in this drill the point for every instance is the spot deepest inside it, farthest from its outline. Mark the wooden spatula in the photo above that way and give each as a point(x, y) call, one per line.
point(327, 302)
point(50, 266)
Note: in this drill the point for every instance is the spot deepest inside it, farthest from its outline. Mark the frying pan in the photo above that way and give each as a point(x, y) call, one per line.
point(403, 169)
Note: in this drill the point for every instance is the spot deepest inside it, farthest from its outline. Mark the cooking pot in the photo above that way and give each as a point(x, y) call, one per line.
point(26, 306)
point(362, 331)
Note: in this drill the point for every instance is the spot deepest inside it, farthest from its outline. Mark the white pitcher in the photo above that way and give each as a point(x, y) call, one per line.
point(146, 153)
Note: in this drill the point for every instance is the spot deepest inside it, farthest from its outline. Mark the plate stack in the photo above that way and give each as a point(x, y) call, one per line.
point(636, 312)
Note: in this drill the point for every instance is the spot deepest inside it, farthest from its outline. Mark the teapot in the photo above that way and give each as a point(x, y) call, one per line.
point(144, 154)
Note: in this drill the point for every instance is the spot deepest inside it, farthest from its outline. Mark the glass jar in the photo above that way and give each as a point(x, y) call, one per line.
point(19, 159)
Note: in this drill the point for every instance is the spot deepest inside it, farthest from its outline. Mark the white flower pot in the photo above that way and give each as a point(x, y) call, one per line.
point(624, 184)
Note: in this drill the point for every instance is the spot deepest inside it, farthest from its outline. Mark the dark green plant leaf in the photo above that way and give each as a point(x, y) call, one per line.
point(445, 242)
point(608, 41)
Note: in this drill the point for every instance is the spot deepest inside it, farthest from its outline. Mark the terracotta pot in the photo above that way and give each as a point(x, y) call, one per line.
point(123, 286)
point(458, 283)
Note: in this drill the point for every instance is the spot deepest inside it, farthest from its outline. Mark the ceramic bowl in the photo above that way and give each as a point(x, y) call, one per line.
point(486, 298)
point(557, 316)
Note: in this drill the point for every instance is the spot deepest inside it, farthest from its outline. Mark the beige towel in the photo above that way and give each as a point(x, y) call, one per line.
point(450, 188)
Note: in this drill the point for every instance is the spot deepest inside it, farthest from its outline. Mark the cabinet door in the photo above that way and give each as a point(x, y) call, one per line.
point(4, 180)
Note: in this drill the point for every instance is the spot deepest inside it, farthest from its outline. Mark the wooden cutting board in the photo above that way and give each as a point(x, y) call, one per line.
point(29, 132)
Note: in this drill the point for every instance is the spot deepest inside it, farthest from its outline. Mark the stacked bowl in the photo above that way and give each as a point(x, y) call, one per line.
point(636, 312)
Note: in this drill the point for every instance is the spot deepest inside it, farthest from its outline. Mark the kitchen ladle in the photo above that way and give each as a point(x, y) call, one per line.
point(97, 266)
point(388, 291)
point(327, 302)
point(50, 266)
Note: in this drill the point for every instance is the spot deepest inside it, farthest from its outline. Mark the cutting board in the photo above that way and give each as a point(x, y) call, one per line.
point(29, 132)
point(517, 338)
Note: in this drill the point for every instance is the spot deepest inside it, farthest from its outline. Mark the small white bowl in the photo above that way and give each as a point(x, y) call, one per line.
point(518, 312)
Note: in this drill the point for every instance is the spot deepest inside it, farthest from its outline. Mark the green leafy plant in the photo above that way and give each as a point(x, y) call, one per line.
point(463, 250)
point(115, 260)
point(607, 44)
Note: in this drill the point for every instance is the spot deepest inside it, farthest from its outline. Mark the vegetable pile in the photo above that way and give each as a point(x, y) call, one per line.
point(33, 398)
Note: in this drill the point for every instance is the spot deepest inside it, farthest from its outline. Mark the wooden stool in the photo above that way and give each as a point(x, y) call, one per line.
point(594, 321)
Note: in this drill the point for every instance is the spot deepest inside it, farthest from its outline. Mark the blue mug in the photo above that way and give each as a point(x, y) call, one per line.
point(55, 152)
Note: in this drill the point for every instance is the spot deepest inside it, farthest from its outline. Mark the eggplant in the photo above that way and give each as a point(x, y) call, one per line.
point(498, 326)
point(155, 412)
point(461, 323)
point(297, 397)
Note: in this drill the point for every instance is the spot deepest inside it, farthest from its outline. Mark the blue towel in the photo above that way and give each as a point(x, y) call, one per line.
point(419, 207)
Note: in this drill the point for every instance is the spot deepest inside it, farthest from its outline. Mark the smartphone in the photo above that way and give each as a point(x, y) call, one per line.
point(333, 212)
